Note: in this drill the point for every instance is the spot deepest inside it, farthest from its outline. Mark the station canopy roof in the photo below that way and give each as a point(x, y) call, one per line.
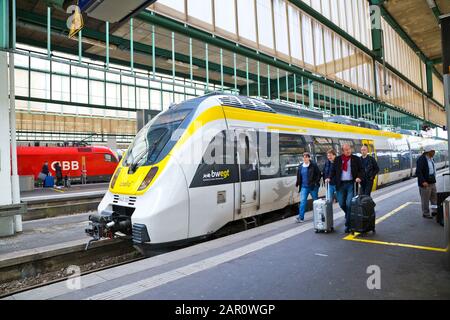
point(420, 21)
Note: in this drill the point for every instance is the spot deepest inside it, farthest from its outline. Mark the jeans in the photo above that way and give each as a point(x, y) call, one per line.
point(305, 191)
point(345, 194)
point(366, 187)
point(330, 192)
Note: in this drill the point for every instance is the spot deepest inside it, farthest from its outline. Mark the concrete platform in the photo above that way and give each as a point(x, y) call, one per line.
point(284, 260)
point(76, 191)
point(53, 202)
point(44, 234)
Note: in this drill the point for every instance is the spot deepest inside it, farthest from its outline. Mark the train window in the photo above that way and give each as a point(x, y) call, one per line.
point(384, 161)
point(344, 141)
point(405, 160)
point(415, 155)
point(247, 145)
point(109, 158)
point(395, 161)
point(148, 144)
point(321, 146)
point(291, 150)
point(269, 166)
point(357, 145)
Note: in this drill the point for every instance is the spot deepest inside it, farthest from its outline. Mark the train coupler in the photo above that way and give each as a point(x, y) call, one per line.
point(105, 224)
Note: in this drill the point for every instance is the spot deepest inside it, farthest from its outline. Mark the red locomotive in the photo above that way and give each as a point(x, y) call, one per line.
point(98, 163)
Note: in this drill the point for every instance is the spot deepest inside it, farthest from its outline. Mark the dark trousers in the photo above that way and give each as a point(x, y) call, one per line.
point(344, 195)
point(366, 186)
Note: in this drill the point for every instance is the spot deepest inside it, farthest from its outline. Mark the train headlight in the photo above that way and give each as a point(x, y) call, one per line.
point(148, 178)
point(114, 179)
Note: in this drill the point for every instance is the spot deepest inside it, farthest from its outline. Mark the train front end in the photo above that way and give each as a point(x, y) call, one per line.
point(148, 196)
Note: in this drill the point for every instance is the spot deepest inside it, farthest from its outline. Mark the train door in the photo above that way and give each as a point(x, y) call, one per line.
point(370, 145)
point(247, 189)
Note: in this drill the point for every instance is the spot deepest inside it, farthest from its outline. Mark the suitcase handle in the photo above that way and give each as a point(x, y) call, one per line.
point(327, 188)
point(357, 186)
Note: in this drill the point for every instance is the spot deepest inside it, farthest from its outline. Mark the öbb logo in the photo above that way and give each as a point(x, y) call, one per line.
point(66, 165)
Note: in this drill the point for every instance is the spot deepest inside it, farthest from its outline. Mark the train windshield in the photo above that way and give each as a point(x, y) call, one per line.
point(148, 145)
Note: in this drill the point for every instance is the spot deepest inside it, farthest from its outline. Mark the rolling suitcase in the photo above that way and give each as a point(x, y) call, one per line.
point(323, 214)
point(49, 182)
point(362, 214)
point(441, 196)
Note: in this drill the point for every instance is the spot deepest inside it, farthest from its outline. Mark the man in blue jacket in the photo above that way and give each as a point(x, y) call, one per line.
point(308, 182)
point(426, 179)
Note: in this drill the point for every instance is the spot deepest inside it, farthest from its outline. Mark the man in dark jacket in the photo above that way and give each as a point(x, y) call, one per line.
point(308, 181)
point(370, 169)
point(426, 178)
point(45, 168)
point(346, 171)
point(58, 173)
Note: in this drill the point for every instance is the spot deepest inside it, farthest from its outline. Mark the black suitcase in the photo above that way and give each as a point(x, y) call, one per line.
point(441, 196)
point(362, 214)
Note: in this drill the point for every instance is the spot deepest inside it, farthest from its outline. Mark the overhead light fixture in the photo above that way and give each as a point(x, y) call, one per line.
point(182, 64)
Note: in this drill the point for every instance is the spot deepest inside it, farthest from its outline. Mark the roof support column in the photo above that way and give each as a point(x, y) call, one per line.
point(445, 29)
point(8, 155)
point(429, 74)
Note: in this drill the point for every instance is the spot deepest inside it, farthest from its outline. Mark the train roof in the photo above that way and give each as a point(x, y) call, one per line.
point(284, 108)
point(25, 150)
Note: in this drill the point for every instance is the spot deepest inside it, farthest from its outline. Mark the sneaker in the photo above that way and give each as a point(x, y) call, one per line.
point(427, 216)
point(298, 220)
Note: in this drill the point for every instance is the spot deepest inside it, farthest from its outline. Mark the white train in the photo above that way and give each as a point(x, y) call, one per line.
point(167, 189)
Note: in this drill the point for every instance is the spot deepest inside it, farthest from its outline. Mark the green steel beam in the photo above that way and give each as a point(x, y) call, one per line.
point(178, 27)
point(436, 12)
point(124, 63)
point(429, 75)
point(170, 24)
point(328, 23)
point(124, 44)
point(402, 33)
point(438, 60)
point(4, 24)
point(157, 19)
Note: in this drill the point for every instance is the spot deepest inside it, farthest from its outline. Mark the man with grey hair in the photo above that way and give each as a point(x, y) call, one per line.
point(346, 171)
point(426, 179)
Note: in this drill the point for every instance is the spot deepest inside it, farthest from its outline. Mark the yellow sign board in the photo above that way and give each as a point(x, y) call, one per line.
point(75, 22)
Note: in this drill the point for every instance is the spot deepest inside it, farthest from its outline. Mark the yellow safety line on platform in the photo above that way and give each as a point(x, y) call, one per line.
point(353, 237)
point(58, 190)
point(398, 244)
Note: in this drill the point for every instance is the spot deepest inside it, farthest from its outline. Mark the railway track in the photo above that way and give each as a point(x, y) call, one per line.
point(42, 269)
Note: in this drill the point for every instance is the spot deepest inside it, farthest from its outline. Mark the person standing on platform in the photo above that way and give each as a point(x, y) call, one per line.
point(331, 156)
point(44, 169)
point(370, 168)
point(426, 178)
point(346, 171)
point(308, 182)
point(58, 174)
